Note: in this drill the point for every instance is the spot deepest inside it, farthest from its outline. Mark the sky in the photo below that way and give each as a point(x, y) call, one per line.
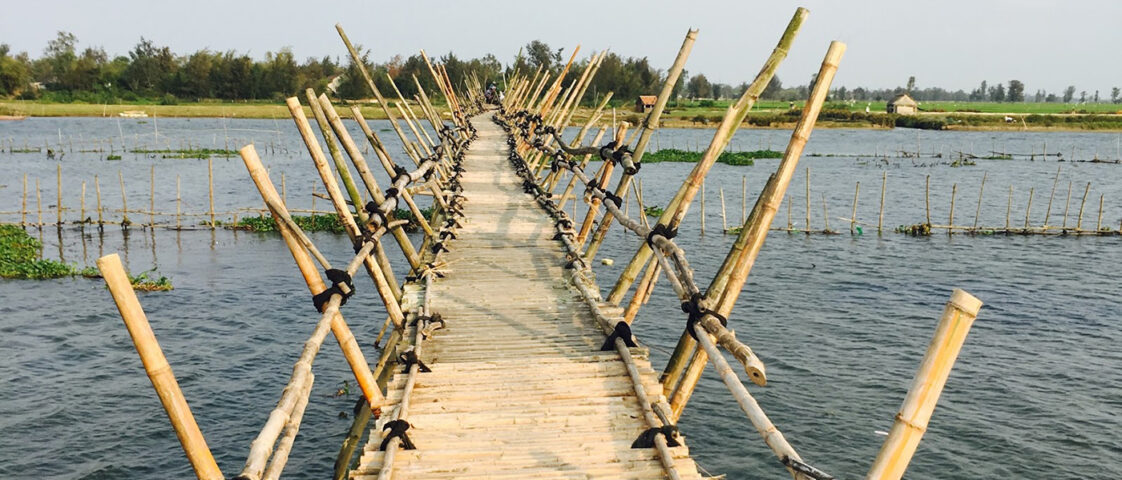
point(954, 44)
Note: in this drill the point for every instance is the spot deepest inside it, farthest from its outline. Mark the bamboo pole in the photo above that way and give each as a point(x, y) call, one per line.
point(703, 206)
point(178, 205)
point(808, 200)
point(919, 404)
point(729, 281)
point(950, 221)
point(1099, 224)
point(724, 221)
point(23, 205)
point(97, 191)
point(158, 369)
point(853, 215)
point(1028, 208)
point(883, 186)
point(124, 201)
point(152, 196)
point(927, 199)
point(676, 209)
point(1056, 181)
point(38, 205)
point(743, 198)
point(82, 204)
point(1067, 204)
point(981, 189)
point(1082, 203)
point(210, 189)
point(58, 204)
point(825, 215)
point(351, 351)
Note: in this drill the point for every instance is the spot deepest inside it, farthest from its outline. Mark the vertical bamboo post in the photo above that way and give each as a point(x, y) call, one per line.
point(927, 199)
point(950, 220)
point(152, 197)
point(1008, 208)
point(210, 188)
point(23, 205)
point(825, 215)
point(1099, 224)
point(97, 192)
point(883, 185)
point(703, 206)
point(1079, 222)
point(790, 226)
point(178, 206)
point(743, 198)
point(284, 192)
point(919, 404)
point(724, 222)
point(158, 369)
point(981, 189)
point(1056, 181)
point(58, 186)
point(1028, 208)
point(38, 205)
point(853, 215)
point(124, 201)
point(82, 204)
point(808, 200)
point(1067, 204)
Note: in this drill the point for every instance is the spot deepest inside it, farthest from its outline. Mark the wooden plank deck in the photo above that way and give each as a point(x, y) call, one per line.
point(519, 387)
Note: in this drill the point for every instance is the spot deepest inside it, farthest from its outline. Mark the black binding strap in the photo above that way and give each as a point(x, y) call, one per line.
point(340, 283)
point(400, 173)
point(697, 312)
point(805, 469)
point(397, 429)
point(409, 358)
point(647, 438)
point(662, 230)
point(612, 197)
point(623, 332)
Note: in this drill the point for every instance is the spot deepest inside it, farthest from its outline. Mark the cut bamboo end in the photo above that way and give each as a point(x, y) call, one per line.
point(911, 422)
point(158, 369)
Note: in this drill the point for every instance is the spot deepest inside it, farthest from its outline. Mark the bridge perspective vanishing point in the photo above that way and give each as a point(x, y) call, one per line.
point(503, 359)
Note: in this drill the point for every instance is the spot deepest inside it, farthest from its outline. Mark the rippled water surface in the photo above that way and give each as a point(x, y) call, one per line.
point(841, 321)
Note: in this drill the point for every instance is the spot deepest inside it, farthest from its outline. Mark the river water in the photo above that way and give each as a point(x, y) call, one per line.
point(841, 321)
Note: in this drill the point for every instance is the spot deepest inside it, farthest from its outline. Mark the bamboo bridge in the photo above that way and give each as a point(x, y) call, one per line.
point(502, 357)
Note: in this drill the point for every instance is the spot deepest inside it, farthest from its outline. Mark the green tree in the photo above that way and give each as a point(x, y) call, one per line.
point(911, 84)
point(699, 87)
point(150, 68)
point(773, 88)
point(14, 72)
point(1115, 94)
point(1069, 93)
point(1016, 92)
point(60, 58)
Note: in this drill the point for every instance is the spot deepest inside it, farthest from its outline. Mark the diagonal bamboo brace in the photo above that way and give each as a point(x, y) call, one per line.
point(919, 404)
point(158, 369)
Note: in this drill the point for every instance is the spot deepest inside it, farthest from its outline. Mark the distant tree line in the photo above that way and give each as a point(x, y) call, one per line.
point(152, 72)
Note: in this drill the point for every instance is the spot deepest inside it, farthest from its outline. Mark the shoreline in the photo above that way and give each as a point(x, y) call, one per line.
point(18, 111)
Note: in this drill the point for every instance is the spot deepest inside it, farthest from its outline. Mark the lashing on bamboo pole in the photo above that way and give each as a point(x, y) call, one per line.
point(158, 369)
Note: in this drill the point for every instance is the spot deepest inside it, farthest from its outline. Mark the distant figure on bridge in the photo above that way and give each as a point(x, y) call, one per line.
point(492, 94)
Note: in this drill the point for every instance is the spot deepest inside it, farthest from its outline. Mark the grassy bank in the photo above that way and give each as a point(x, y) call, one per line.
point(730, 158)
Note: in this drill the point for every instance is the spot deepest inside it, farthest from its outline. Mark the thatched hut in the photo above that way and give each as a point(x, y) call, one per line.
point(903, 104)
point(645, 103)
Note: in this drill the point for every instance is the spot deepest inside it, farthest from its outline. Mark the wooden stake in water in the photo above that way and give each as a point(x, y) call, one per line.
point(152, 197)
point(1028, 208)
point(950, 221)
point(1066, 205)
point(1079, 222)
point(38, 204)
point(158, 369)
point(1099, 224)
point(724, 222)
point(911, 421)
point(210, 186)
point(927, 199)
point(808, 200)
point(1056, 181)
point(97, 191)
point(825, 215)
point(82, 204)
point(58, 186)
point(1008, 207)
point(178, 205)
point(981, 189)
point(23, 207)
point(124, 201)
point(853, 215)
point(703, 206)
point(883, 185)
point(743, 199)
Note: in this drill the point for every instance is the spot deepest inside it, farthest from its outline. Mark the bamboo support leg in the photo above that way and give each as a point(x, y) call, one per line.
point(981, 189)
point(912, 420)
point(1028, 208)
point(1067, 204)
point(1082, 203)
point(1055, 182)
point(158, 369)
point(950, 221)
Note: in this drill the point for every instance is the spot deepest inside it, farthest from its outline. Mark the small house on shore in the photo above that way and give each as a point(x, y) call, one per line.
point(903, 104)
point(645, 103)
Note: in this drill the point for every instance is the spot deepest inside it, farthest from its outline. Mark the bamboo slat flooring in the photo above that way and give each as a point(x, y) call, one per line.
point(519, 387)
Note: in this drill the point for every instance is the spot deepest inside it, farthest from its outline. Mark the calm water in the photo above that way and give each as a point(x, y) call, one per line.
point(841, 321)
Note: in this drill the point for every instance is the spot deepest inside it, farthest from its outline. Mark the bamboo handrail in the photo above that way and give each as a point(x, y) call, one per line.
point(158, 369)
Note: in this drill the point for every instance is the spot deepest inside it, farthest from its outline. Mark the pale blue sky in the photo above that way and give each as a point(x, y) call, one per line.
point(950, 43)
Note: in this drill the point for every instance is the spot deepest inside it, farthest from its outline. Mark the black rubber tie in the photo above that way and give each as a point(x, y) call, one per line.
point(409, 358)
point(397, 429)
point(339, 280)
point(623, 332)
point(647, 438)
